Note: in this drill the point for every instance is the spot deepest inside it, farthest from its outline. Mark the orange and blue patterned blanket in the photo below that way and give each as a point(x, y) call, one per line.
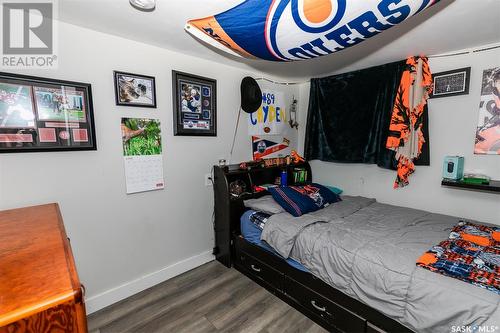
point(471, 253)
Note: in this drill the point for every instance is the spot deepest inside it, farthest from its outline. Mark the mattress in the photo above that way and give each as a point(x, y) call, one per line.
point(368, 251)
point(252, 233)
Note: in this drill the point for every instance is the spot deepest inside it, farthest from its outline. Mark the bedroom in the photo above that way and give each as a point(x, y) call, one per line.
point(147, 251)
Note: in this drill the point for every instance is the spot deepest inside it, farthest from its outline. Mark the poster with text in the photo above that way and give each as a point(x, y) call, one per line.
point(488, 128)
point(270, 118)
point(142, 154)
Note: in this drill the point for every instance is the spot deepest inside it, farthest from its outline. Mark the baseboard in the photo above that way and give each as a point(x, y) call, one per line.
point(111, 296)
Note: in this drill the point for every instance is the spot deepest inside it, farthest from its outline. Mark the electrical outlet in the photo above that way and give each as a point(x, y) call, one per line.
point(208, 180)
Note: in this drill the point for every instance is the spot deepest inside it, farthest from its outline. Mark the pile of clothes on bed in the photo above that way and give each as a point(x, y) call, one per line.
point(471, 253)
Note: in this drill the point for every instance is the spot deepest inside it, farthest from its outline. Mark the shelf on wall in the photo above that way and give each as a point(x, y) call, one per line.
point(493, 186)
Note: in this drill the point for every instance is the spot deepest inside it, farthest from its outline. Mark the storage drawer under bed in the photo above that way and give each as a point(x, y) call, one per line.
point(329, 311)
point(290, 284)
point(260, 270)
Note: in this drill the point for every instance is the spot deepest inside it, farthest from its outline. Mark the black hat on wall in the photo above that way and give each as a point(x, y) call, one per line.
point(251, 95)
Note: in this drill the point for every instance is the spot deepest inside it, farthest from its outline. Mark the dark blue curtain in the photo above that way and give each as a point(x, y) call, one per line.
point(349, 116)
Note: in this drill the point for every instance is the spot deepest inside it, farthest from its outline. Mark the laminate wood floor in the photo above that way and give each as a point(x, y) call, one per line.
point(210, 298)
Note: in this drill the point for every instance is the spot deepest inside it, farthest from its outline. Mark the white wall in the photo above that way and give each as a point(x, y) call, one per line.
point(452, 124)
point(124, 243)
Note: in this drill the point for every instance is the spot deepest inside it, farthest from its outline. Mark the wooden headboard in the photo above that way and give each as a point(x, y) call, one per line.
point(228, 209)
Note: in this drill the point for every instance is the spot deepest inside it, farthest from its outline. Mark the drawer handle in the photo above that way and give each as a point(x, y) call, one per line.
point(257, 269)
point(322, 309)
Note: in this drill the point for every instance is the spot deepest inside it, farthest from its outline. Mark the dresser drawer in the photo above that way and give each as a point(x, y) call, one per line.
point(329, 311)
point(260, 270)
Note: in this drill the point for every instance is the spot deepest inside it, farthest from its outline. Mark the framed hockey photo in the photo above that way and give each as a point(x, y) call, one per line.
point(40, 114)
point(135, 90)
point(451, 83)
point(195, 105)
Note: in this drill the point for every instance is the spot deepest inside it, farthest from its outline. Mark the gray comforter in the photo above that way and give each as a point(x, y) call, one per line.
point(368, 251)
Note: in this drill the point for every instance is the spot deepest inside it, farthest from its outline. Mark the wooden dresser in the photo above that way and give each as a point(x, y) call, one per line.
point(39, 287)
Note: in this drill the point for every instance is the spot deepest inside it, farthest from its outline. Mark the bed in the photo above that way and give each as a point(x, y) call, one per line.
point(360, 274)
point(368, 251)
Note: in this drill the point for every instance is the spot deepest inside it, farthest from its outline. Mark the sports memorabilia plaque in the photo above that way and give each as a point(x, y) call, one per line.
point(40, 114)
point(195, 105)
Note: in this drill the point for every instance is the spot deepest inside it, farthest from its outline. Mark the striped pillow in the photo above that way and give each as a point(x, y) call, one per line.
point(299, 200)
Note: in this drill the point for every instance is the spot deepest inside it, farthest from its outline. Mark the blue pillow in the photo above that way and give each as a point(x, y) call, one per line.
point(299, 200)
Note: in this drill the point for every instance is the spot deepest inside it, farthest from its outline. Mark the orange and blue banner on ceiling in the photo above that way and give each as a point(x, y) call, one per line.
point(287, 30)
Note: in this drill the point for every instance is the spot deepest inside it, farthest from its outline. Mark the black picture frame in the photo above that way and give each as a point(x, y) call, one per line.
point(451, 83)
point(40, 114)
point(118, 89)
point(192, 118)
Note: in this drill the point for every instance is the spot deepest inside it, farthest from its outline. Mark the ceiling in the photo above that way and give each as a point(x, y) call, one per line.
point(449, 25)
